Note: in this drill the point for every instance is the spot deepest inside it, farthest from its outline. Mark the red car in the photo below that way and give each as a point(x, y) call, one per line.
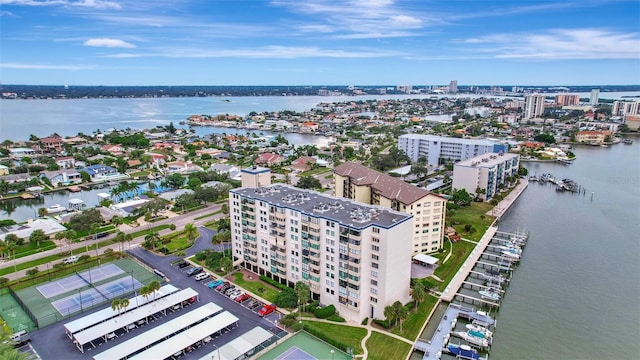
point(267, 309)
point(242, 297)
point(219, 287)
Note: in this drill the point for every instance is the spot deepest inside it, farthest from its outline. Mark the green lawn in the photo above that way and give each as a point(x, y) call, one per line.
point(382, 347)
point(32, 248)
point(471, 215)
point(139, 174)
point(179, 242)
point(413, 324)
point(256, 286)
point(348, 335)
point(207, 215)
point(447, 271)
point(316, 171)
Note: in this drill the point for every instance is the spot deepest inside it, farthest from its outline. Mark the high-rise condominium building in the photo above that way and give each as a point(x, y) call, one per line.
point(567, 100)
point(453, 86)
point(533, 106)
point(485, 173)
point(595, 97)
point(356, 257)
point(440, 149)
point(625, 108)
point(365, 185)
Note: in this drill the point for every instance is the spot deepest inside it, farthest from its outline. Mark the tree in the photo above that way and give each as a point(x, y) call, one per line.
point(150, 240)
point(419, 293)
point(225, 208)
point(115, 305)
point(69, 235)
point(144, 292)
point(175, 181)
point(389, 314)
point(545, 138)
point(303, 292)
point(226, 265)
point(43, 212)
point(82, 222)
point(461, 197)
point(308, 182)
point(403, 313)
point(154, 286)
point(124, 303)
point(397, 310)
point(37, 236)
point(191, 231)
point(419, 170)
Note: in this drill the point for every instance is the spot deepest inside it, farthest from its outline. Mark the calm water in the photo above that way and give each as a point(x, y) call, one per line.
point(575, 294)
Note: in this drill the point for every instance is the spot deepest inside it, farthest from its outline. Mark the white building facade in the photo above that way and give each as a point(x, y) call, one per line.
point(533, 106)
point(438, 149)
point(356, 257)
point(485, 172)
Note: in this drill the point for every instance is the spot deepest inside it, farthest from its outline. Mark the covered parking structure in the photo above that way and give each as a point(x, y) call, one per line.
point(106, 329)
point(244, 344)
point(162, 333)
point(425, 260)
point(108, 313)
point(189, 337)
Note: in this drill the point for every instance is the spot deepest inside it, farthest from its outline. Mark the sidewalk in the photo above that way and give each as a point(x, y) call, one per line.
point(499, 210)
point(178, 220)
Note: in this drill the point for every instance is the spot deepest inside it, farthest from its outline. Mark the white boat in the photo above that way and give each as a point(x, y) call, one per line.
point(56, 209)
point(490, 295)
point(510, 255)
point(474, 340)
point(480, 329)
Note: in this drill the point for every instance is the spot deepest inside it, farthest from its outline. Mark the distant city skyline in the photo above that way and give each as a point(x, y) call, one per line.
point(319, 42)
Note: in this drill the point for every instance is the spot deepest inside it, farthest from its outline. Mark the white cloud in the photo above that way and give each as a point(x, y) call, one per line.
point(46, 67)
point(95, 4)
point(267, 52)
point(559, 44)
point(110, 43)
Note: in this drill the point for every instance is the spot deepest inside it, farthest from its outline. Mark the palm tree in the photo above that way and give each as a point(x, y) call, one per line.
point(403, 313)
point(115, 305)
point(124, 303)
point(389, 314)
point(116, 221)
point(397, 310)
point(154, 286)
point(69, 235)
point(191, 231)
point(42, 212)
point(144, 292)
point(59, 236)
point(93, 230)
point(418, 293)
point(152, 237)
point(115, 193)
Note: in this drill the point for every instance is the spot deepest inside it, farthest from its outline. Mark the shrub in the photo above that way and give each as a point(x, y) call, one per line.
point(336, 318)
point(467, 227)
point(58, 265)
point(286, 299)
point(3, 281)
point(165, 241)
point(366, 320)
point(383, 323)
point(172, 227)
point(325, 312)
point(108, 252)
point(32, 272)
point(274, 283)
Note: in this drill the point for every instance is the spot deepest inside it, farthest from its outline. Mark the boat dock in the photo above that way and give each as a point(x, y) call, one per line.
point(434, 348)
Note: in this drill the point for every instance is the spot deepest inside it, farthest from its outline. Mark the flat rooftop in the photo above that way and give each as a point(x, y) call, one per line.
point(449, 139)
point(312, 203)
point(486, 160)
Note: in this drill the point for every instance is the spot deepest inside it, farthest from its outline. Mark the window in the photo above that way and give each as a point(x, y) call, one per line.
point(374, 273)
point(376, 230)
point(374, 282)
point(375, 257)
point(375, 240)
point(374, 265)
point(375, 248)
point(373, 300)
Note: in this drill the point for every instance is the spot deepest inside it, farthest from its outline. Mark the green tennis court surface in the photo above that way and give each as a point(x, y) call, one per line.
point(303, 346)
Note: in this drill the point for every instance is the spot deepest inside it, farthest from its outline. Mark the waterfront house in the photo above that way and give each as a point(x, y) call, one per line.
point(23, 231)
point(100, 173)
point(233, 171)
point(62, 177)
point(182, 167)
point(269, 159)
point(134, 164)
point(4, 170)
point(593, 136)
point(51, 144)
point(15, 178)
point(19, 153)
point(113, 149)
point(66, 162)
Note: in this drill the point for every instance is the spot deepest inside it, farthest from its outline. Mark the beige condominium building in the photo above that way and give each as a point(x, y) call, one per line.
point(353, 256)
point(365, 185)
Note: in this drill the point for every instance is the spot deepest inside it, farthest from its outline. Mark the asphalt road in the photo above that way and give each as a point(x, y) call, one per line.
point(52, 343)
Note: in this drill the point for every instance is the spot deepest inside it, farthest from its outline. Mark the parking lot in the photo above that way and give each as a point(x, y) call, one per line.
point(246, 311)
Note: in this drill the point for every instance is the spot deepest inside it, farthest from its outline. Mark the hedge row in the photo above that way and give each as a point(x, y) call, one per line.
point(274, 283)
point(325, 312)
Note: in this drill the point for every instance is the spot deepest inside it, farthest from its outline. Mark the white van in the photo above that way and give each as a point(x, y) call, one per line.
point(201, 276)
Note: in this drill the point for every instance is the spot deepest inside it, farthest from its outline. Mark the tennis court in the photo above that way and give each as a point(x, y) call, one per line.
point(93, 296)
point(118, 287)
point(78, 280)
point(304, 346)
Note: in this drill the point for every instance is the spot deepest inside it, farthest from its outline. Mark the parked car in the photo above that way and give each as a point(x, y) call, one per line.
point(253, 303)
point(201, 276)
point(182, 264)
point(215, 283)
point(71, 259)
point(242, 297)
point(20, 338)
point(194, 271)
point(224, 287)
point(230, 289)
point(235, 293)
point(267, 309)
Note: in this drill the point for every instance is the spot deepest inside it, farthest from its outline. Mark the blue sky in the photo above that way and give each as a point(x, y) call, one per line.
point(318, 42)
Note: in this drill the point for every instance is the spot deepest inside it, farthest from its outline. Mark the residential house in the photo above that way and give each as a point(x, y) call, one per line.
point(182, 167)
point(113, 149)
point(66, 162)
point(134, 164)
point(233, 171)
point(51, 144)
point(303, 163)
point(23, 231)
point(19, 153)
point(100, 173)
point(15, 178)
point(4, 170)
point(269, 159)
point(62, 177)
point(593, 136)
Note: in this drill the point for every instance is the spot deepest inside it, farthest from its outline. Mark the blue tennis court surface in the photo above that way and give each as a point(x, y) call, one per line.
point(118, 287)
point(89, 297)
point(295, 353)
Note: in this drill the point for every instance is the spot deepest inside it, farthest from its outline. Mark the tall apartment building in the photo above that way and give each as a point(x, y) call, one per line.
point(595, 97)
point(255, 176)
point(567, 100)
point(356, 257)
point(364, 185)
point(533, 106)
point(486, 172)
point(453, 86)
point(440, 149)
point(625, 108)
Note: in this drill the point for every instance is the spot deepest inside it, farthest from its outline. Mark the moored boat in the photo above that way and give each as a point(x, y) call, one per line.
point(477, 328)
point(56, 209)
point(463, 351)
point(474, 340)
point(490, 294)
